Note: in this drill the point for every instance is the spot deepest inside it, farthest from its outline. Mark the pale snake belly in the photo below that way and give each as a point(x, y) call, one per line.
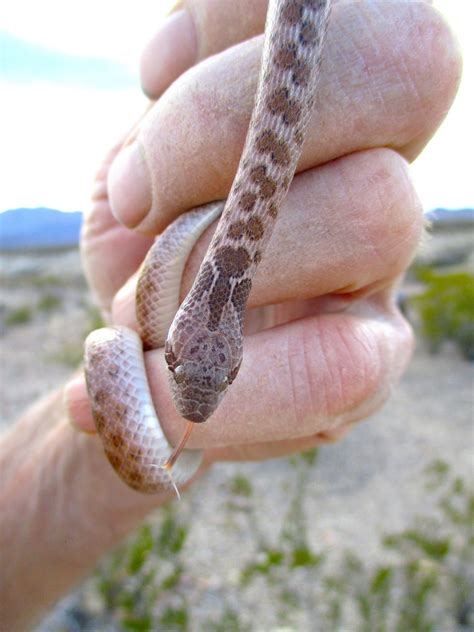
point(203, 337)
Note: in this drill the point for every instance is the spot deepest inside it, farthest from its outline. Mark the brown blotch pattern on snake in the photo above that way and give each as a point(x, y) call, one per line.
point(254, 228)
point(240, 295)
point(116, 440)
point(266, 185)
point(99, 419)
point(308, 34)
point(217, 300)
point(269, 143)
point(247, 201)
point(286, 57)
point(301, 74)
point(292, 13)
point(136, 478)
point(232, 262)
point(272, 210)
point(100, 396)
point(236, 230)
point(280, 104)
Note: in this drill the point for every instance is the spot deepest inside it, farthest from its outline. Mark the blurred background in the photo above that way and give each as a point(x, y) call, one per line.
point(372, 532)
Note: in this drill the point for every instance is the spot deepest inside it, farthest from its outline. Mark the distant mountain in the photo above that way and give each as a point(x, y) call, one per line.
point(25, 228)
point(454, 218)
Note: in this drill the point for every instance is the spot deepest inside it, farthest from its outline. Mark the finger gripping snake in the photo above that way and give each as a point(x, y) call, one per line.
point(204, 336)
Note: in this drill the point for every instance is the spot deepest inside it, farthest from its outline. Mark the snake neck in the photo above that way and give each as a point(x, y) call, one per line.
point(205, 340)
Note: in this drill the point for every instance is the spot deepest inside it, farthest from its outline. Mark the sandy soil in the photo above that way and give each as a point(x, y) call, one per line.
point(366, 485)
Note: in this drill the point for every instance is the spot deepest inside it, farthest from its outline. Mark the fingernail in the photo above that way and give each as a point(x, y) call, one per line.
point(78, 407)
point(171, 51)
point(129, 186)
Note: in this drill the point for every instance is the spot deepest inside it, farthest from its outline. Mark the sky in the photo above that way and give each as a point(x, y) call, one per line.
point(69, 88)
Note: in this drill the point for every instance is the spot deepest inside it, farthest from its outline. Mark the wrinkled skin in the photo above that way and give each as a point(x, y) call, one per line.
point(325, 341)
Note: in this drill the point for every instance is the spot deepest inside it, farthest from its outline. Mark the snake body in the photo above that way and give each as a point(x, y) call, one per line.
point(205, 340)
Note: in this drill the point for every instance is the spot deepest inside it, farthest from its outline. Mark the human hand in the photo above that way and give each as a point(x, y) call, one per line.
point(325, 340)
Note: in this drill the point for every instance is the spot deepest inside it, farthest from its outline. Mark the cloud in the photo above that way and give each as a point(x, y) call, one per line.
point(69, 86)
point(106, 29)
point(53, 139)
point(27, 62)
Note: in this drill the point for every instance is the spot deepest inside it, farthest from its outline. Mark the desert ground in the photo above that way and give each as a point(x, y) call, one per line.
point(289, 544)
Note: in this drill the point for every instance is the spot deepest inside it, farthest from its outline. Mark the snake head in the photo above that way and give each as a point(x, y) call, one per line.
point(201, 369)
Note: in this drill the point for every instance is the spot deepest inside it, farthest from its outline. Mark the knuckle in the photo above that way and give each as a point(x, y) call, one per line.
point(394, 212)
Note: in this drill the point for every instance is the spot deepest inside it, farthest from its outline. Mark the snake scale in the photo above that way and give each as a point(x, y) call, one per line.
point(204, 336)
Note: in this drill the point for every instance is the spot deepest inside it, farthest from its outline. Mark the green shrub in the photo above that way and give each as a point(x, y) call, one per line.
point(135, 582)
point(228, 622)
point(240, 485)
point(48, 302)
point(422, 584)
point(72, 353)
point(45, 280)
point(446, 309)
point(19, 316)
point(69, 355)
point(94, 320)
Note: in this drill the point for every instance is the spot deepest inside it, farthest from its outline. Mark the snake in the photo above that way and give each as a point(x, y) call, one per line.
point(203, 337)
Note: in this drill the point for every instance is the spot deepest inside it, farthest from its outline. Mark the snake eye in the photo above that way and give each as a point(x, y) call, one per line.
point(179, 374)
point(224, 384)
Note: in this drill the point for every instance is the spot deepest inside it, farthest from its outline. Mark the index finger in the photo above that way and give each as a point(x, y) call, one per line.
point(389, 74)
point(193, 31)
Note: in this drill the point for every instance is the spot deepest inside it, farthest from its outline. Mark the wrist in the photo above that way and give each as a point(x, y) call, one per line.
point(72, 505)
